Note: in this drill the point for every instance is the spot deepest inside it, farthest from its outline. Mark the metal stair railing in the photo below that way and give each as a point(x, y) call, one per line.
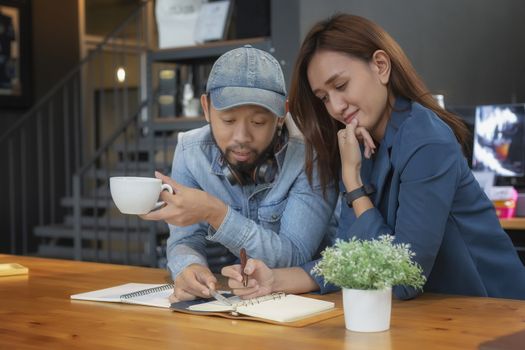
point(72, 122)
point(85, 179)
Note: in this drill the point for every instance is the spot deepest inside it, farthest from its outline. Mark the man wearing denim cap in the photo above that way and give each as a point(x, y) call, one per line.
point(239, 181)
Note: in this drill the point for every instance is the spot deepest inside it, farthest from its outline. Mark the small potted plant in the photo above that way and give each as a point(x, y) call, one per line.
point(366, 270)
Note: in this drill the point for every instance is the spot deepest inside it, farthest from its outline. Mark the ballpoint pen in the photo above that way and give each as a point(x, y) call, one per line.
point(244, 259)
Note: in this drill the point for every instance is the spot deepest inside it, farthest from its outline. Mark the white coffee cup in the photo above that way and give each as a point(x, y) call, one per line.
point(137, 195)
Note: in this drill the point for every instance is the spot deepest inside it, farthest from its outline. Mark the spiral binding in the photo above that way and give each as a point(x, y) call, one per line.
point(146, 292)
point(254, 301)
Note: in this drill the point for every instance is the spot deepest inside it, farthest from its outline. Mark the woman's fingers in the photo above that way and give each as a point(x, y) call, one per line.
point(354, 133)
point(341, 136)
point(367, 138)
point(370, 147)
point(347, 135)
point(350, 132)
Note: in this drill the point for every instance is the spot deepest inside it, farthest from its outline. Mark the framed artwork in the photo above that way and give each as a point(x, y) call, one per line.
point(15, 45)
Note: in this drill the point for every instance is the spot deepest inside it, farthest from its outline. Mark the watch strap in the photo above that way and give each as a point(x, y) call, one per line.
point(365, 190)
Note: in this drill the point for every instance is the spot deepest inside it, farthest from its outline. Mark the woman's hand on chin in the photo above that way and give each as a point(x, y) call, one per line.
point(350, 152)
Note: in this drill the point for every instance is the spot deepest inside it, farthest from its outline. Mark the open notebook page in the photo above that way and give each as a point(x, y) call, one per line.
point(113, 294)
point(285, 309)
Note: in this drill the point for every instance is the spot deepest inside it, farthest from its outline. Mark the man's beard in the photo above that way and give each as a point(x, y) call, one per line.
point(246, 167)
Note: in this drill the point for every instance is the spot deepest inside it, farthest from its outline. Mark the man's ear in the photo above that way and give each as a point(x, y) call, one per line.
point(205, 108)
point(380, 63)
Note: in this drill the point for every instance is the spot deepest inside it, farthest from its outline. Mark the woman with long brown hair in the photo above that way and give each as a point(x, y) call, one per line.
point(369, 121)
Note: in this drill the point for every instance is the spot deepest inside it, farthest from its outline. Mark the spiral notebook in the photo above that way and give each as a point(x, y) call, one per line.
point(156, 295)
point(277, 308)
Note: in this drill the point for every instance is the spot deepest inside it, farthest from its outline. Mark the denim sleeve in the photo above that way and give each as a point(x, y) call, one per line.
point(428, 182)
point(304, 223)
point(186, 245)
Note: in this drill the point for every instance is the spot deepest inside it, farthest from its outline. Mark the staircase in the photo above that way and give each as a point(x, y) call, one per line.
point(82, 132)
point(105, 234)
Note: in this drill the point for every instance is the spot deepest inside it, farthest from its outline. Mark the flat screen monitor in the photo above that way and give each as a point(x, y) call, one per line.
point(499, 144)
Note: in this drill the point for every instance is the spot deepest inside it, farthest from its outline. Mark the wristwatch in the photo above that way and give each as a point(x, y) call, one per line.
point(362, 191)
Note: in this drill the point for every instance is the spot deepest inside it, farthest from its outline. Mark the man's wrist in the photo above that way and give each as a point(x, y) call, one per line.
point(216, 211)
point(279, 281)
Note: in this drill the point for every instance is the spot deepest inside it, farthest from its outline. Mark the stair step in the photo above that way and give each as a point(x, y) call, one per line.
point(103, 174)
point(141, 166)
point(119, 222)
point(89, 202)
point(177, 124)
point(143, 144)
point(134, 233)
point(101, 191)
point(119, 257)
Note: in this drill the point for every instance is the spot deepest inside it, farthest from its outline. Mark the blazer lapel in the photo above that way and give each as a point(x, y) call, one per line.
point(380, 172)
point(382, 168)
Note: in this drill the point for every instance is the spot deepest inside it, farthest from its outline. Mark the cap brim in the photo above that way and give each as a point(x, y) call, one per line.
point(231, 96)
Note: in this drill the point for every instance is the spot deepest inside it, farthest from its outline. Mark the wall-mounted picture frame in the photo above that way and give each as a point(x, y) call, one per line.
point(15, 56)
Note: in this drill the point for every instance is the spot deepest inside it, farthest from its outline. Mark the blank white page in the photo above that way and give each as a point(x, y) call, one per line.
point(113, 294)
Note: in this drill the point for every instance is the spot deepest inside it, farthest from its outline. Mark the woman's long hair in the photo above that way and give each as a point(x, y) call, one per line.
point(360, 38)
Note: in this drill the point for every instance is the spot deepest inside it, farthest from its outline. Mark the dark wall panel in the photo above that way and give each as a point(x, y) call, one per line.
point(471, 51)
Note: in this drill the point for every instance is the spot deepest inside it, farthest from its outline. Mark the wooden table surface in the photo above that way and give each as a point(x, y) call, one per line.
point(513, 224)
point(36, 313)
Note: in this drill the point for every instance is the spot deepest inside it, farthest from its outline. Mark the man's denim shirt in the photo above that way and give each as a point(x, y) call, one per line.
point(284, 223)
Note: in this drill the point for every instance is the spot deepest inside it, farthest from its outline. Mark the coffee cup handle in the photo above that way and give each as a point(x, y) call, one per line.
point(164, 187)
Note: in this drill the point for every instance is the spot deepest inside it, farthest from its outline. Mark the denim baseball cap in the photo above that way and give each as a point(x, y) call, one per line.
point(247, 76)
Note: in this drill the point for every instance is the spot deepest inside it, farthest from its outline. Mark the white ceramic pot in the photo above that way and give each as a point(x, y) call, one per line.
point(367, 310)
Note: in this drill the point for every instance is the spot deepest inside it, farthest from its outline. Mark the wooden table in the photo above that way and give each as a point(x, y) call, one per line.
point(513, 224)
point(36, 313)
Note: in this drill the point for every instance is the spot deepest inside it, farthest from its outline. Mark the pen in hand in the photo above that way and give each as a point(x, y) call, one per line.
point(244, 259)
